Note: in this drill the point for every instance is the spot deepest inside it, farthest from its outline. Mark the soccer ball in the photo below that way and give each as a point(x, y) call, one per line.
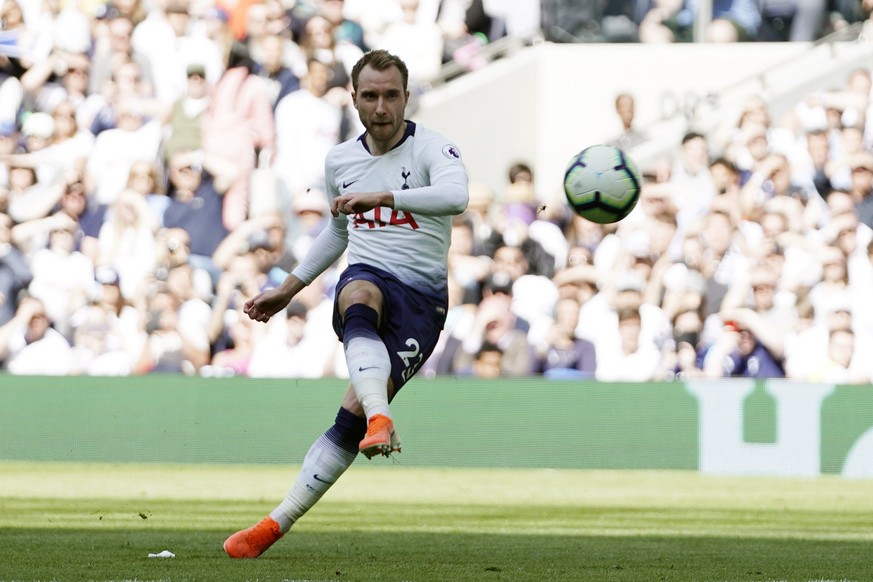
point(602, 184)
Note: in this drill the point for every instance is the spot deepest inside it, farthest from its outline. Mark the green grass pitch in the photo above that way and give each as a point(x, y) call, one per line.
point(384, 521)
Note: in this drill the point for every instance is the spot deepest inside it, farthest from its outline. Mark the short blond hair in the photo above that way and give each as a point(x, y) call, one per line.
point(381, 60)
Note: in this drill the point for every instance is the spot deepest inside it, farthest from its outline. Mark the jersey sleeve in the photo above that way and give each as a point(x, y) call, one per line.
point(326, 249)
point(330, 243)
point(448, 192)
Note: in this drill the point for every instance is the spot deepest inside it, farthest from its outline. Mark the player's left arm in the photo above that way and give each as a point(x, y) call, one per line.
point(447, 193)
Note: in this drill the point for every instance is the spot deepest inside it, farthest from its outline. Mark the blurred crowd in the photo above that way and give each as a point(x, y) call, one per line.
point(161, 162)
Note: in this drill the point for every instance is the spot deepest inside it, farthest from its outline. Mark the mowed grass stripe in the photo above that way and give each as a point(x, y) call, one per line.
point(354, 555)
point(222, 515)
point(401, 484)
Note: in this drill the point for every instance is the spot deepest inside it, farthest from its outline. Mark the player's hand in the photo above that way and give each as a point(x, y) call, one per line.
point(360, 202)
point(266, 304)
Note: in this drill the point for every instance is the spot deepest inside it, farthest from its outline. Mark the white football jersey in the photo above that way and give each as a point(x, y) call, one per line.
point(426, 175)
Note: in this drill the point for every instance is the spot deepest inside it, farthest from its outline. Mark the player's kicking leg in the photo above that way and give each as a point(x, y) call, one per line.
point(369, 364)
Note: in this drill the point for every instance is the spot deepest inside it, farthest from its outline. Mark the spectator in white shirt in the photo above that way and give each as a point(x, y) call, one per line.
point(30, 346)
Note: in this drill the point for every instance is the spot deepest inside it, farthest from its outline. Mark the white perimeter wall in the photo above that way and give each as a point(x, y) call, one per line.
point(549, 101)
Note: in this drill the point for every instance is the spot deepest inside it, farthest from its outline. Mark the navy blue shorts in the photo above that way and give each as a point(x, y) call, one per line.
point(411, 321)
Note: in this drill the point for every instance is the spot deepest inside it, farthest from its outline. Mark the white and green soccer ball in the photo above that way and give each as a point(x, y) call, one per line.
point(602, 184)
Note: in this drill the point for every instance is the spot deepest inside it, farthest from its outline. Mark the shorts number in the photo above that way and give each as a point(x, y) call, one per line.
point(411, 358)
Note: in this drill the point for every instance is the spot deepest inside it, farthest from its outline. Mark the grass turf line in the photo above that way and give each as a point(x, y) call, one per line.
point(100, 522)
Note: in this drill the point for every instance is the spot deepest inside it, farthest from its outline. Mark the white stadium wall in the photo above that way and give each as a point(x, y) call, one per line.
point(548, 101)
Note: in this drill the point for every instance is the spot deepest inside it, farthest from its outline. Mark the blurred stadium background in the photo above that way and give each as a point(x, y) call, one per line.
point(539, 98)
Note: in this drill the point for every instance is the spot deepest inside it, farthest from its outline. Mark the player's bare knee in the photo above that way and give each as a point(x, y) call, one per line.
point(361, 292)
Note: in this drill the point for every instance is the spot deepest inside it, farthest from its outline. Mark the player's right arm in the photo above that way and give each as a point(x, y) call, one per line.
point(327, 248)
point(331, 242)
point(267, 303)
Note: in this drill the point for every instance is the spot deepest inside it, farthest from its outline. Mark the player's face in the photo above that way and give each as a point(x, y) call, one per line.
point(381, 104)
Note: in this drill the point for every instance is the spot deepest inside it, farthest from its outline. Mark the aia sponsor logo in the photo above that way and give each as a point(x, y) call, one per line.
point(380, 217)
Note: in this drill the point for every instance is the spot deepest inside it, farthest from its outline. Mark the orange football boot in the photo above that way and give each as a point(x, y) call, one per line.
point(381, 437)
point(254, 541)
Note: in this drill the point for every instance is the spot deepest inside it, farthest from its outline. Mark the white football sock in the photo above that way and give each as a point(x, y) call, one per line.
point(369, 370)
point(322, 466)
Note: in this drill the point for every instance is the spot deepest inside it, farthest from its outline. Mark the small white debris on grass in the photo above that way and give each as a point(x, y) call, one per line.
point(164, 554)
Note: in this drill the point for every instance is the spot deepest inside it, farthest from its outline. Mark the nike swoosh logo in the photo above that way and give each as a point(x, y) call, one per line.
point(361, 368)
point(322, 480)
point(349, 183)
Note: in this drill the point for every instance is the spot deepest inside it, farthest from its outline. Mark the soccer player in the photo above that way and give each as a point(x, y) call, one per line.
point(392, 194)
